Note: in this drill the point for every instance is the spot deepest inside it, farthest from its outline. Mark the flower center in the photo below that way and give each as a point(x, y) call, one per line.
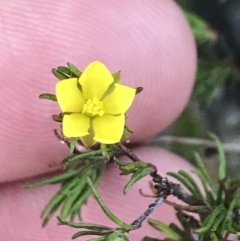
point(93, 107)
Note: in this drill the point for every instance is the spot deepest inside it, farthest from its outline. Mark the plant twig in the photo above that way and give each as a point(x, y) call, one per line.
point(180, 193)
point(128, 152)
point(138, 222)
point(194, 209)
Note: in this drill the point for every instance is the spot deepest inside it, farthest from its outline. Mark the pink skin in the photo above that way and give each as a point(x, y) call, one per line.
point(149, 41)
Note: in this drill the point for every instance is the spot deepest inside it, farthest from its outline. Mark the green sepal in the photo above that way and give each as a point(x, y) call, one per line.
point(104, 150)
point(73, 143)
point(74, 70)
point(57, 118)
point(59, 74)
point(117, 77)
point(138, 90)
point(128, 129)
point(65, 70)
point(48, 96)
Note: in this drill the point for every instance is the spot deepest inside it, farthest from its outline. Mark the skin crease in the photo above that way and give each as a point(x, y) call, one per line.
point(149, 41)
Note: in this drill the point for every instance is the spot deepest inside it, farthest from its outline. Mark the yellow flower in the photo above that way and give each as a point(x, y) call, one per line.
point(94, 105)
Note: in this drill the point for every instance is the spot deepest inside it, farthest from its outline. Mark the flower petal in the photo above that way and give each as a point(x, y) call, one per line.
point(108, 128)
point(69, 96)
point(95, 80)
point(75, 125)
point(119, 100)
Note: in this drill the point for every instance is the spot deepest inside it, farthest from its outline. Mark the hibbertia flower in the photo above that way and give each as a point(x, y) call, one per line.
point(94, 105)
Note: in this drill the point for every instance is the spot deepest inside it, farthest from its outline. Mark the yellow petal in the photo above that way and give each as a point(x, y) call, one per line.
point(69, 96)
point(119, 100)
point(108, 128)
point(95, 80)
point(75, 125)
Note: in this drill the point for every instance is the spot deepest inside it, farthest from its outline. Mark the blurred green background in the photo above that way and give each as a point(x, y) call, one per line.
point(215, 102)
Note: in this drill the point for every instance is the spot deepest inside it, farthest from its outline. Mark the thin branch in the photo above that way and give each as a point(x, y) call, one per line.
point(194, 209)
point(138, 222)
point(180, 193)
point(128, 152)
point(228, 147)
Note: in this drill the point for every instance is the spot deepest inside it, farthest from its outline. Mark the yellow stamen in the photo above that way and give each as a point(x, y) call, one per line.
point(93, 107)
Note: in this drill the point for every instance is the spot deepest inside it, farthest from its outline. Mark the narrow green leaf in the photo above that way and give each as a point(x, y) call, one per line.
point(50, 214)
point(151, 239)
point(97, 239)
point(209, 221)
point(220, 196)
point(58, 197)
point(86, 192)
point(76, 198)
point(176, 229)
point(235, 226)
point(137, 175)
point(218, 221)
point(183, 181)
point(54, 179)
point(108, 213)
point(90, 232)
point(214, 237)
point(74, 70)
point(229, 227)
point(197, 192)
point(203, 169)
point(59, 75)
point(125, 237)
point(210, 200)
point(83, 225)
point(72, 197)
point(48, 96)
point(164, 228)
point(222, 159)
point(229, 214)
point(80, 156)
point(75, 214)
